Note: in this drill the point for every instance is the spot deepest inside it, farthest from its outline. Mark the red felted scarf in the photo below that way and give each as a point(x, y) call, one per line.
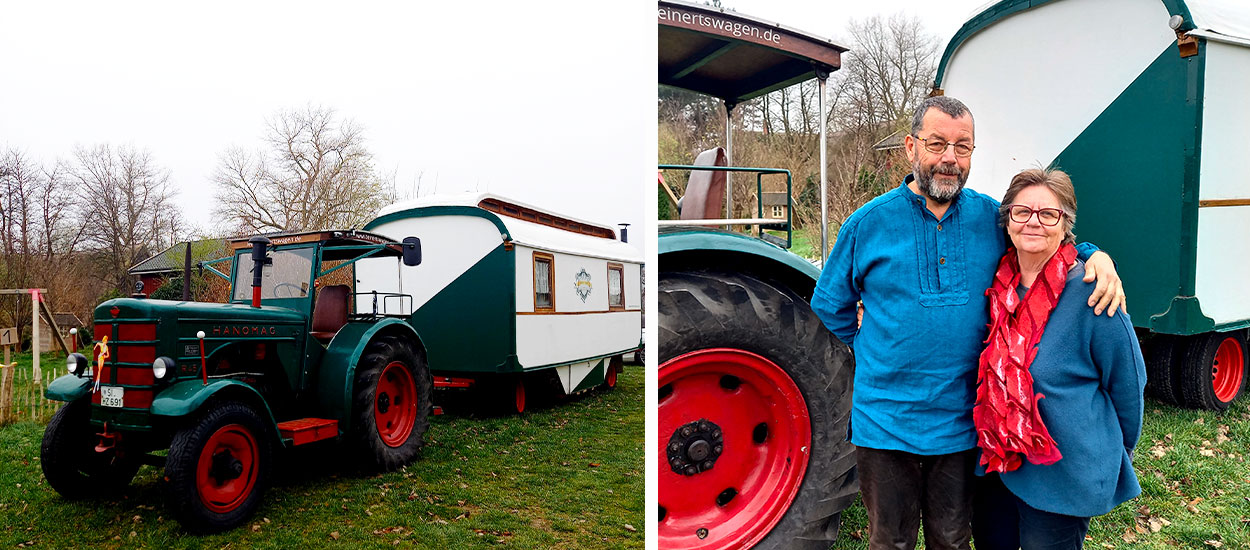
point(1006, 416)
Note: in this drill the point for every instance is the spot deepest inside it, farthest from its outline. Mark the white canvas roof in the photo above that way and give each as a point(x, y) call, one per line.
point(531, 234)
point(1216, 19)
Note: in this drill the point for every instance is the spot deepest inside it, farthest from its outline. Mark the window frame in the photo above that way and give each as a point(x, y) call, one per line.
point(619, 268)
point(551, 279)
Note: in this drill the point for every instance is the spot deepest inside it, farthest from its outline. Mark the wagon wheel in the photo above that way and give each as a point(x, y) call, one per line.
point(610, 371)
point(217, 468)
point(754, 403)
point(1163, 368)
point(1215, 370)
point(391, 406)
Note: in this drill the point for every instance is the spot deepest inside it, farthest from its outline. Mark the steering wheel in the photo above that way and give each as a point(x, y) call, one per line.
point(294, 293)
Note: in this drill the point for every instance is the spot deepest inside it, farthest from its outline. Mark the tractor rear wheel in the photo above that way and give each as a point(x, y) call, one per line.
point(391, 408)
point(754, 406)
point(69, 460)
point(1215, 370)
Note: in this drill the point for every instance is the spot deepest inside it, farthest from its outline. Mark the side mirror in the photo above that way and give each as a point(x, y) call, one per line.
point(412, 251)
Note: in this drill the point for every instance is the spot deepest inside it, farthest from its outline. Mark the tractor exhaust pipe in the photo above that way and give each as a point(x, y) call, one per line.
point(259, 261)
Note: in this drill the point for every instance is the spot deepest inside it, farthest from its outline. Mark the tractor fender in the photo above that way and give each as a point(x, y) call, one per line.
point(685, 249)
point(69, 387)
point(185, 397)
point(338, 366)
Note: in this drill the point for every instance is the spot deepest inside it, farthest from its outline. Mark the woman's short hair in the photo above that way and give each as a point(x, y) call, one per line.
point(1058, 182)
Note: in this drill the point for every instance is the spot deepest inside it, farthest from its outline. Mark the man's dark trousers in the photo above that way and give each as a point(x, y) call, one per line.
point(901, 488)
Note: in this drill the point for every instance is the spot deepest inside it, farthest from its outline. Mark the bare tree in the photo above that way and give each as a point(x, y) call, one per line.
point(40, 234)
point(315, 173)
point(888, 71)
point(126, 206)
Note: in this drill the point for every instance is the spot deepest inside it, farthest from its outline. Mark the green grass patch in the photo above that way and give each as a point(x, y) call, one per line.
point(563, 475)
point(1195, 486)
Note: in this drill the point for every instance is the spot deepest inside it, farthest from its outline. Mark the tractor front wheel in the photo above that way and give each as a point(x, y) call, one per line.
point(217, 468)
point(69, 460)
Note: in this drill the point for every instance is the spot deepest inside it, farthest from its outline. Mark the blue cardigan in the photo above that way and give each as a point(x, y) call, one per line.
point(1090, 370)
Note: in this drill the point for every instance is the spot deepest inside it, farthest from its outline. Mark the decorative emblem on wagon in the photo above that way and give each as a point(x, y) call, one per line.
point(581, 283)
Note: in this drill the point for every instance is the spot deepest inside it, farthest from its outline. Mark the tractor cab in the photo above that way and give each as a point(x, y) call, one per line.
point(314, 273)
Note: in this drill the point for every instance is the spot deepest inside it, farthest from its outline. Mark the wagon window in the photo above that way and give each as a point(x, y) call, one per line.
point(543, 298)
point(616, 293)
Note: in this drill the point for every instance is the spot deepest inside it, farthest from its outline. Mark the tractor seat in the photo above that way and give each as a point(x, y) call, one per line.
point(330, 312)
point(705, 192)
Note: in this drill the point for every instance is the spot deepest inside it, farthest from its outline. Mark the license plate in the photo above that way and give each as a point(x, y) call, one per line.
point(111, 396)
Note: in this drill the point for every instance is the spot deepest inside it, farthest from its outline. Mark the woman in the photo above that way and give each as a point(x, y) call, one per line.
point(1059, 394)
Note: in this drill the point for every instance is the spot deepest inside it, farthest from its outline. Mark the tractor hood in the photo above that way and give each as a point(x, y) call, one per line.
point(178, 311)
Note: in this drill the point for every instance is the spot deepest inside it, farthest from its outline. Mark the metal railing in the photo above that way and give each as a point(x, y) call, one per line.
point(759, 221)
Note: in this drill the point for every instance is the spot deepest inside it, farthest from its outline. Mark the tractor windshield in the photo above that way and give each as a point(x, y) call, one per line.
point(288, 277)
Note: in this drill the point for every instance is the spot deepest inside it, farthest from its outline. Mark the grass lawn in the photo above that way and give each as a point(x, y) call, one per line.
point(565, 475)
point(1195, 486)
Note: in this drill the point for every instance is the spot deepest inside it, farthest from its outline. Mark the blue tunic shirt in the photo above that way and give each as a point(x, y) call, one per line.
point(922, 281)
point(1090, 370)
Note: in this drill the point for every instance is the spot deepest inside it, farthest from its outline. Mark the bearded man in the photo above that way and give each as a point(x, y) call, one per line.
point(919, 258)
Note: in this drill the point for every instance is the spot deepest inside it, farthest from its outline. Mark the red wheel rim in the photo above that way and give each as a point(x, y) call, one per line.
point(520, 396)
point(227, 469)
point(1227, 369)
point(739, 391)
point(611, 378)
point(395, 404)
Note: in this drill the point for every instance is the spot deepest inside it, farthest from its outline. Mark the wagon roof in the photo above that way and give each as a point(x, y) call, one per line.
point(736, 57)
point(527, 225)
point(1221, 20)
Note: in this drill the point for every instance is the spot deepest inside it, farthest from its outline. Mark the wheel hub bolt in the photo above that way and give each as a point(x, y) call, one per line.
point(384, 403)
point(701, 533)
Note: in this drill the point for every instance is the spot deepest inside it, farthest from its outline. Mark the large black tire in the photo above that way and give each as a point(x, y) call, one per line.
point(1163, 368)
point(711, 310)
point(1214, 370)
point(69, 461)
point(217, 468)
point(391, 405)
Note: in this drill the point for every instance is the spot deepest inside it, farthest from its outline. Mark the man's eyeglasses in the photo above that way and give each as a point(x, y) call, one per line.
point(938, 146)
point(1045, 216)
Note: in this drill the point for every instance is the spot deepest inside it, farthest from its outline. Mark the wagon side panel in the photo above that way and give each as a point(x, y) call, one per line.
point(1223, 256)
point(462, 292)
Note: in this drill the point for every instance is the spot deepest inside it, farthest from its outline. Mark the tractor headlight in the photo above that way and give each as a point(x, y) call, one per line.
point(161, 367)
point(76, 363)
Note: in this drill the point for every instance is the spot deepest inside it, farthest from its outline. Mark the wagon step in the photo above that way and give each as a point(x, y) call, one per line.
point(308, 430)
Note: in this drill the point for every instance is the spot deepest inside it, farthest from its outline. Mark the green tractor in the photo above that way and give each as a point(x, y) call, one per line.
point(222, 386)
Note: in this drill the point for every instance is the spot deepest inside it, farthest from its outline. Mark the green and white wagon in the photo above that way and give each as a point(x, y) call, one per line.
point(512, 295)
point(1144, 104)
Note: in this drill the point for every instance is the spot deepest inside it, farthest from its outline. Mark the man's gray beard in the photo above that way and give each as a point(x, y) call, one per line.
point(924, 180)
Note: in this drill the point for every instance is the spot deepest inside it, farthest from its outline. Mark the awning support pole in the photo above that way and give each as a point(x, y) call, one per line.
point(823, 76)
point(729, 159)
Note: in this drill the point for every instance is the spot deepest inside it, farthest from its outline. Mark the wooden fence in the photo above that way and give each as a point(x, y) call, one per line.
point(21, 397)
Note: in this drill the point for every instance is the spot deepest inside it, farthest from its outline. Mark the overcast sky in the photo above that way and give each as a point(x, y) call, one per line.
point(829, 18)
point(548, 102)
